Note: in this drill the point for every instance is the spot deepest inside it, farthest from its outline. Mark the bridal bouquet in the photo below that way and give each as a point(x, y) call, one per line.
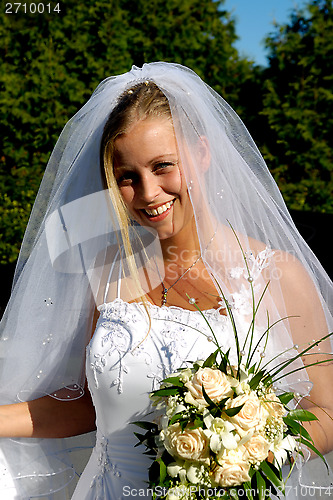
point(219, 425)
point(221, 429)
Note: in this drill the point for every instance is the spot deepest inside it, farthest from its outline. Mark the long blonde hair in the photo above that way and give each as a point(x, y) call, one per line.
point(142, 101)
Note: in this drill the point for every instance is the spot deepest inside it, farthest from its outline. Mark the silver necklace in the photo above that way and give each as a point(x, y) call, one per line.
point(166, 290)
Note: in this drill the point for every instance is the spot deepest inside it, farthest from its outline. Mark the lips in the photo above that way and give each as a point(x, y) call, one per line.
point(160, 212)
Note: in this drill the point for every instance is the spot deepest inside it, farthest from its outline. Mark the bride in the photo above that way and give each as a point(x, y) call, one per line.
point(133, 226)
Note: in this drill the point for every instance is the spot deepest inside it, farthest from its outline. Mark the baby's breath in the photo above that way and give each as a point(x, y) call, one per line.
point(261, 390)
point(274, 429)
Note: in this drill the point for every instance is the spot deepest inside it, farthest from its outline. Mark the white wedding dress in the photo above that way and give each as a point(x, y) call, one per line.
point(124, 365)
point(122, 371)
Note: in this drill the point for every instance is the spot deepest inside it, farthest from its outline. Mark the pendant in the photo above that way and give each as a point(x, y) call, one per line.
point(164, 296)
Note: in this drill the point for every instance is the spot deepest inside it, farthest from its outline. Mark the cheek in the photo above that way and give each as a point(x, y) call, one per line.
point(172, 182)
point(127, 194)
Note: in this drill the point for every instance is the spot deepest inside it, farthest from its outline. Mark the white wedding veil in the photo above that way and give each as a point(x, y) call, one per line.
point(72, 250)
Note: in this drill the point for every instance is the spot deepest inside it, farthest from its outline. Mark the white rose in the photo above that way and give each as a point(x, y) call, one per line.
point(190, 444)
point(250, 415)
point(273, 405)
point(231, 474)
point(257, 448)
point(217, 385)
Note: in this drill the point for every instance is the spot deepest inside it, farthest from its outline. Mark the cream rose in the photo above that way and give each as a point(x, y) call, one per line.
point(231, 474)
point(217, 385)
point(257, 448)
point(190, 444)
point(273, 405)
point(250, 415)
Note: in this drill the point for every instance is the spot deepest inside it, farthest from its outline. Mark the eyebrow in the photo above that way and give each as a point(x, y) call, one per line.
point(156, 159)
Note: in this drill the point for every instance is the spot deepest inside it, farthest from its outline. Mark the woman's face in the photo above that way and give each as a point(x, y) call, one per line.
point(151, 179)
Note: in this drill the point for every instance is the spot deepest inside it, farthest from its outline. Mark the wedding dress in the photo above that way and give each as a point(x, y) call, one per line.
point(122, 369)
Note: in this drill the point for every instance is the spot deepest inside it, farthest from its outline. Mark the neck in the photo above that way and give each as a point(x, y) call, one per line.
point(183, 248)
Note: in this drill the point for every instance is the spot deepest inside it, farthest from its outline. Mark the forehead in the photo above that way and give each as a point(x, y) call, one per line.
point(146, 139)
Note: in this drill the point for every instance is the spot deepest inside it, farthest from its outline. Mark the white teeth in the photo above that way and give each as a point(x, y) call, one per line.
point(160, 210)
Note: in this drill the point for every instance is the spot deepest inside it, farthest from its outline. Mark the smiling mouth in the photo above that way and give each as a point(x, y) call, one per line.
point(154, 212)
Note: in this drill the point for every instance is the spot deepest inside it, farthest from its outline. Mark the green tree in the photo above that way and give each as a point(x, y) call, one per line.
point(52, 62)
point(298, 105)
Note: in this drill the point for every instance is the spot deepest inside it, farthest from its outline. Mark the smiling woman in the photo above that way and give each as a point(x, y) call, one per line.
point(155, 202)
point(154, 179)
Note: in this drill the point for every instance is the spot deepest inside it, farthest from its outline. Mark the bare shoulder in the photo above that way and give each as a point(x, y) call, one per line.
point(292, 272)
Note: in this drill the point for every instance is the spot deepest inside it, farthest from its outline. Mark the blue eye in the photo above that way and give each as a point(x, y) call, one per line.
point(163, 165)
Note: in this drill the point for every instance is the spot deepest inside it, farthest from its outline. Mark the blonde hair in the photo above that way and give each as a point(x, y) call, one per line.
point(142, 101)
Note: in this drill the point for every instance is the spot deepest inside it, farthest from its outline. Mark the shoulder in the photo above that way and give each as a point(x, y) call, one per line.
point(300, 296)
point(291, 272)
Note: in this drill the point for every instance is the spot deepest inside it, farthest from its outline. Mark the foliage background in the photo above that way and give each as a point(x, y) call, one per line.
point(51, 63)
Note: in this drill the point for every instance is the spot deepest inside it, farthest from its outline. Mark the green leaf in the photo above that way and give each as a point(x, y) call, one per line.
point(296, 428)
point(163, 471)
point(248, 490)
point(183, 424)
point(286, 397)
point(251, 370)
point(233, 493)
point(207, 398)
point(273, 474)
point(231, 412)
point(198, 422)
point(178, 417)
point(261, 485)
point(167, 391)
point(211, 360)
point(254, 382)
point(174, 381)
point(302, 415)
point(222, 403)
point(224, 362)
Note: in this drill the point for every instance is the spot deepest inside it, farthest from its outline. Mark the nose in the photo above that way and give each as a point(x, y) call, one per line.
point(148, 188)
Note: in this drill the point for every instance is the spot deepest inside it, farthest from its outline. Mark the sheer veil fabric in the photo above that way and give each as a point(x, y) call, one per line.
point(72, 251)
